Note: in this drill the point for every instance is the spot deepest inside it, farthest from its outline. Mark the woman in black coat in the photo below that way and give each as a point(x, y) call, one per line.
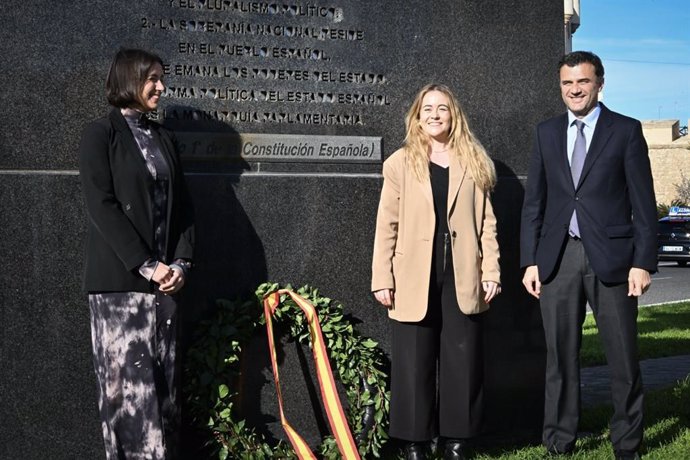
point(139, 251)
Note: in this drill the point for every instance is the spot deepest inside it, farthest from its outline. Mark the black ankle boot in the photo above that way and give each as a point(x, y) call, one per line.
point(415, 451)
point(453, 449)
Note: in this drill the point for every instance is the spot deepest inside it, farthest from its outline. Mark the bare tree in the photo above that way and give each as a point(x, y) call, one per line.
point(683, 189)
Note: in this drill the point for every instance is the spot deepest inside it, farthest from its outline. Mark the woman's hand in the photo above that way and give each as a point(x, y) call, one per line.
point(170, 280)
point(174, 283)
point(162, 273)
point(386, 297)
point(491, 289)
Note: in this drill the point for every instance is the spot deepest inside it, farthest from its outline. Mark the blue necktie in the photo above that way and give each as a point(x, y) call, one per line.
point(576, 163)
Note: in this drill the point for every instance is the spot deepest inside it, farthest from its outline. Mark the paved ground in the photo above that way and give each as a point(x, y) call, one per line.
point(656, 373)
point(670, 284)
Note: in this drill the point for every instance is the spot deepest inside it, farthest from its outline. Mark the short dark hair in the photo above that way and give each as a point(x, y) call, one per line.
point(128, 73)
point(581, 57)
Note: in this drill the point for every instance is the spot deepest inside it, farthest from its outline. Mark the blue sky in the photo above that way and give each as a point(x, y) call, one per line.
point(645, 47)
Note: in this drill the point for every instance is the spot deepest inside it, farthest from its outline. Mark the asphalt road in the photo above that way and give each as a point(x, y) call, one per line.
point(671, 283)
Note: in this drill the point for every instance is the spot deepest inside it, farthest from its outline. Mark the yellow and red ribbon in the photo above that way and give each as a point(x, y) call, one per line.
point(329, 394)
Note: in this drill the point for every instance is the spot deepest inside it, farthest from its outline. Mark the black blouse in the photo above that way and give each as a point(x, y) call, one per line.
point(442, 254)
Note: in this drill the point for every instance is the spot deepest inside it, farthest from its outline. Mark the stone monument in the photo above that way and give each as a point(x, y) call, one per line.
point(285, 111)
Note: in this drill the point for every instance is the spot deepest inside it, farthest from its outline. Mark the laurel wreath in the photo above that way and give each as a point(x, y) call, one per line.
point(213, 366)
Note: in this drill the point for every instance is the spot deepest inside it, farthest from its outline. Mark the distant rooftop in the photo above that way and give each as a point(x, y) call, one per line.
point(662, 131)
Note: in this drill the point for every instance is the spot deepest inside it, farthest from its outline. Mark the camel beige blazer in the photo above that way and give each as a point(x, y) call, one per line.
point(405, 234)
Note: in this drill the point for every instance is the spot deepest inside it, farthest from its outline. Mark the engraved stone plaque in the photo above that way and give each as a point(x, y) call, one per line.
point(277, 70)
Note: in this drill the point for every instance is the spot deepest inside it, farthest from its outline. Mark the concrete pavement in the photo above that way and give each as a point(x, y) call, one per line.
point(595, 381)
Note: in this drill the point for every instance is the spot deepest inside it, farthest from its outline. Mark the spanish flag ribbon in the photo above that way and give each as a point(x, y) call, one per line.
point(329, 393)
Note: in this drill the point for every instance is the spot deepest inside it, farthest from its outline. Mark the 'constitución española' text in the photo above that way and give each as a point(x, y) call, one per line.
point(259, 147)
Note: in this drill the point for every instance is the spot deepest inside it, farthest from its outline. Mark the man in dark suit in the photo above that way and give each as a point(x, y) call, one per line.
point(588, 235)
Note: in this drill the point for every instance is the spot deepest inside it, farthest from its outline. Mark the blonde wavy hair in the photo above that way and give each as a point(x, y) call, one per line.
point(462, 142)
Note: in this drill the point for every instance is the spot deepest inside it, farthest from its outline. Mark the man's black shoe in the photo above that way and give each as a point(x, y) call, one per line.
point(453, 449)
point(553, 451)
point(415, 451)
point(627, 455)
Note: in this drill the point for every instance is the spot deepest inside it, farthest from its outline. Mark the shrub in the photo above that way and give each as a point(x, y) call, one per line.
point(683, 189)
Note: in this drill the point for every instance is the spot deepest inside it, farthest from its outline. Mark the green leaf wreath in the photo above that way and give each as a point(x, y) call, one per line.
point(213, 368)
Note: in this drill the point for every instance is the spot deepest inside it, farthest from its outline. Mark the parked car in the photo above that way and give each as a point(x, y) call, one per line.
point(674, 236)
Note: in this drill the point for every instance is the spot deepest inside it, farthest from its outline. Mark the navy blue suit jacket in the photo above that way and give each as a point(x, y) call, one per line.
point(615, 202)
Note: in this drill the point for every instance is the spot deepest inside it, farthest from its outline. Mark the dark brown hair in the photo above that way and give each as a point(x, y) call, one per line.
point(580, 57)
point(128, 73)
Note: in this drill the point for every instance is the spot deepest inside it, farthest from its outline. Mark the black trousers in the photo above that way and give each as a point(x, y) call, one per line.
point(442, 352)
point(563, 304)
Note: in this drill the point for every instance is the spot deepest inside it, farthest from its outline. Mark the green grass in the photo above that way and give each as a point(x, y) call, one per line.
point(667, 431)
point(663, 331)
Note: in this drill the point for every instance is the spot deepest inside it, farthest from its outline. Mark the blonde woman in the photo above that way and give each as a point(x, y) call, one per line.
point(436, 268)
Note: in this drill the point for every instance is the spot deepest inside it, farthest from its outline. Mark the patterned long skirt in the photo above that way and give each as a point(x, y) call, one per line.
point(133, 336)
